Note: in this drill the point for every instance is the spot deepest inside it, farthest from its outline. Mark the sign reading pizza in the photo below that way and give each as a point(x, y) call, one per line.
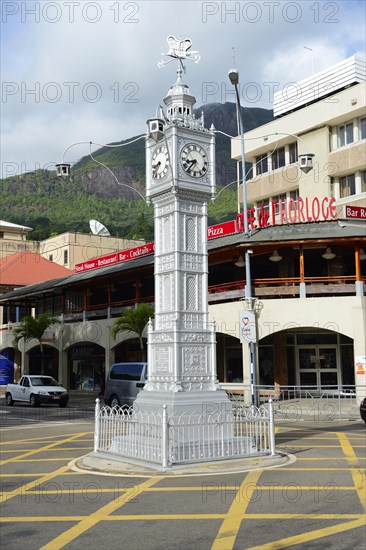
point(276, 212)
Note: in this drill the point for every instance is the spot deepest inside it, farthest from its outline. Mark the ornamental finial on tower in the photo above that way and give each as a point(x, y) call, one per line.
point(178, 49)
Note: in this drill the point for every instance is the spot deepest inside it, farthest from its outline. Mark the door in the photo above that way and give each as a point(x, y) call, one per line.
point(318, 366)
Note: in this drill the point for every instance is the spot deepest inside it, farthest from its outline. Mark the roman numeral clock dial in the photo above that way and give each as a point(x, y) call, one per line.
point(194, 160)
point(160, 162)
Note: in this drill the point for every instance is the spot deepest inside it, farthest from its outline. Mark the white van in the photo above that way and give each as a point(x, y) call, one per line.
point(124, 382)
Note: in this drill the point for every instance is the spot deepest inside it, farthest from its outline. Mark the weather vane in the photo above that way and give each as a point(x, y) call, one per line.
point(178, 49)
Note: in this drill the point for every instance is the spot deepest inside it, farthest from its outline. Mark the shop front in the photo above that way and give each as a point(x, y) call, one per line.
point(86, 365)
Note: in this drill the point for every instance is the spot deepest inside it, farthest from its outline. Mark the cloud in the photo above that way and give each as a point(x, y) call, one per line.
point(86, 70)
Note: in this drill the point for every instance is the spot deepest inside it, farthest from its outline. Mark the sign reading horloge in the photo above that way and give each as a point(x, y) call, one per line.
point(274, 213)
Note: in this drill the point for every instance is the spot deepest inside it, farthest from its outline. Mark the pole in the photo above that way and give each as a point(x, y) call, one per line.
point(97, 425)
point(248, 279)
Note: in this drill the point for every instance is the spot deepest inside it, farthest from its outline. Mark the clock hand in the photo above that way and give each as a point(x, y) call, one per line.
point(191, 162)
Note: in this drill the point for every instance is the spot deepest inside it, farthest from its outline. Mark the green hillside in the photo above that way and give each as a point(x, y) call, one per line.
point(50, 205)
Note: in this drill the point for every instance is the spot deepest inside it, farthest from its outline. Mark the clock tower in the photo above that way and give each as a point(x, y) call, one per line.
point(180, 181)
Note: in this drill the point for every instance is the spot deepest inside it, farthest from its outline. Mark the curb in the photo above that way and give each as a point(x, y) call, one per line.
point(99, 464)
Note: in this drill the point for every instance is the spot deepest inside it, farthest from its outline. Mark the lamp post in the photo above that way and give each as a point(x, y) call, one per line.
point(234, 79)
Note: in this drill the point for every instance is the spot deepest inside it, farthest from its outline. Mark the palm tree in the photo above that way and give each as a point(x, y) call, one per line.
point(34, 328)
point(134, 320)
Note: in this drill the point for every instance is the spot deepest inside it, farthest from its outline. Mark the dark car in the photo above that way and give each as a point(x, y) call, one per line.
point(363, 409)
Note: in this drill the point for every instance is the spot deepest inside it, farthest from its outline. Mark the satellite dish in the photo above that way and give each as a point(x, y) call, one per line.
point(98, 228)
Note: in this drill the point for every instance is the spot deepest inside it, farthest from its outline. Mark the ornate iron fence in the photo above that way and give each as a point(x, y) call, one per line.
point(312, 403)
point(159, 438)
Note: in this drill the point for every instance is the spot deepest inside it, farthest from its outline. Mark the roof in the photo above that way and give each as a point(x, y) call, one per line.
point(327, 231)
point(25, 268)
point(8, 225)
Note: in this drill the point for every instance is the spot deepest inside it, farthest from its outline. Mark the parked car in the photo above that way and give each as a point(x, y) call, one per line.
point(363, 409)
point(35, 390)
point(124, 382)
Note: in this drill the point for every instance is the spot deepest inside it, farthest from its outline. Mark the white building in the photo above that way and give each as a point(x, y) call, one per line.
point(310, 301)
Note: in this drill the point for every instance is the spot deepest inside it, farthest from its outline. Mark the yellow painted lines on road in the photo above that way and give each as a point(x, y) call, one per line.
point(228, 531)
point(41, 449)
point(41, 439)
point(311, 535)
point(291, 446)
point(358, 478)
point(47, 450)
point(45, 459)
point(174, 517)
point(23, 488)
point(101, 514)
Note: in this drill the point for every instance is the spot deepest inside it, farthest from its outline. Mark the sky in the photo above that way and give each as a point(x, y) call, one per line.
point(79, 71)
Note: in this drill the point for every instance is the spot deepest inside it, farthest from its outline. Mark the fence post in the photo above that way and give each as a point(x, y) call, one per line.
point(271, 427)
point(97, 425)
point(164, 438)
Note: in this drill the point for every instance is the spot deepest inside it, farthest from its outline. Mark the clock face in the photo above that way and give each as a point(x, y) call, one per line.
point(160, 162)
point(194, 160)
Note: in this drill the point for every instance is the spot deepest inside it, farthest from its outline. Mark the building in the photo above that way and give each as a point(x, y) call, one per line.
point(13, 239)
point(69, 249)
point(308, 265)
point(16, 271)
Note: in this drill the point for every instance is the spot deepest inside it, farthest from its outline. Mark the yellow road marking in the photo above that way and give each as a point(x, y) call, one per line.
point(291, 446)
point(46, 450)
point(268, 487)
point(155, 517)
point(101, 514)
point(20, 490)
point(289, 470)
point(311, 535)
point(41, 439)
point(31, 484)
point(330, 459)
point(45, 459)
point(358, 478)
point(36, 451)
point(228, 531)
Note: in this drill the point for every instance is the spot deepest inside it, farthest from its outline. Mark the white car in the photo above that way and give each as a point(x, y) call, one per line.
point(35, 390)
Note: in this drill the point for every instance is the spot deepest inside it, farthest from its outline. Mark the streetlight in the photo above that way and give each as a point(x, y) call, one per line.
point(234, 79)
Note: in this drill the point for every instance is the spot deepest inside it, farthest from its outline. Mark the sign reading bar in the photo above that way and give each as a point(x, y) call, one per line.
point(276, 212)
point(355, 212)
point(116, 257)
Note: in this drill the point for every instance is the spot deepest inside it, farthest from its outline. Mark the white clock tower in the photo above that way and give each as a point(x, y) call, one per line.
point(180, 181)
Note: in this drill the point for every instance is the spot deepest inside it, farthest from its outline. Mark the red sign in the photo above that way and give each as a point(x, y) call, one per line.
point(222, 229)
point(355, 212)
point(279, 212)
point(116, 257)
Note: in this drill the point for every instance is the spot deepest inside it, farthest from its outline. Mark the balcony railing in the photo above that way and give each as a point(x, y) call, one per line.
point(285, 287)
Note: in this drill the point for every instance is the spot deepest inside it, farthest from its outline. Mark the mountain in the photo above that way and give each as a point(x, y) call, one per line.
point(42, 201)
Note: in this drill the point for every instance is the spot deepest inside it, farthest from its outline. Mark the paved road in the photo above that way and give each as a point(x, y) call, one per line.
point(320, 499)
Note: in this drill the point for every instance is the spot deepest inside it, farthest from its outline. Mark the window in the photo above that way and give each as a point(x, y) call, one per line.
point(293, 156)
point(278, 158)
point(261, 163)
point(66, 256)
point(347, 186)
point(363, 181)
point(294, 195)
point(345, 134)
point(362, 128)
point(280, 200)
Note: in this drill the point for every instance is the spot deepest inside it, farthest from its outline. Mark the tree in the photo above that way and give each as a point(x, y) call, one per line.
point(134, 320)
point(34, 328)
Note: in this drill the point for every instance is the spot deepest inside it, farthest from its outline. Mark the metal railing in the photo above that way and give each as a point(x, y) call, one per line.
point(312, 403)
point(167, 440)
